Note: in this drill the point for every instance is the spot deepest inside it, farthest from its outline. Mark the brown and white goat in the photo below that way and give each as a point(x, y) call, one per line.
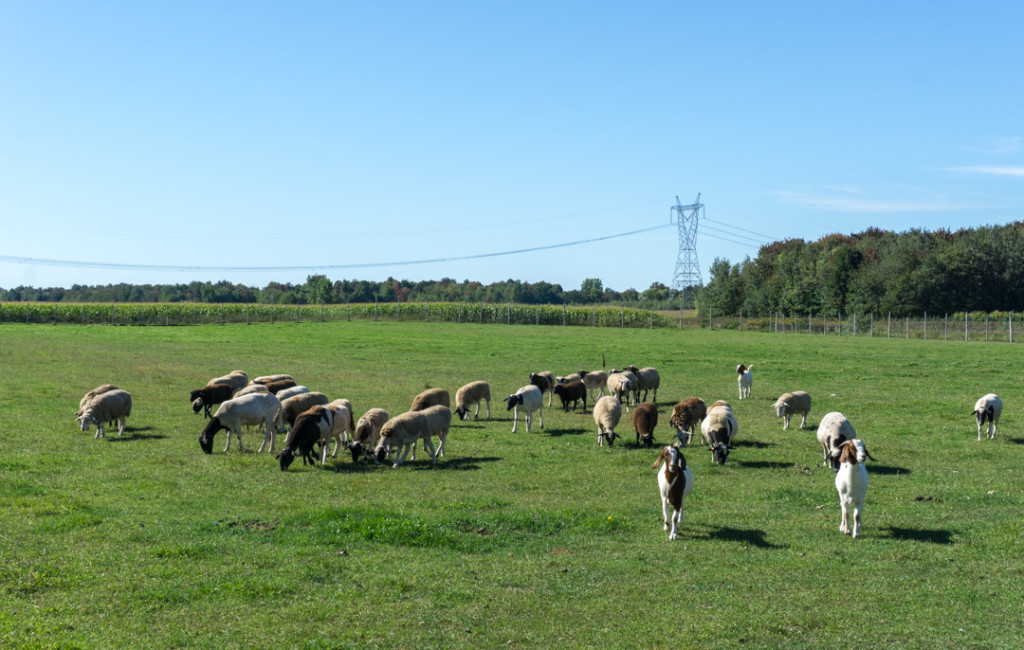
point(852, 484)
point(674, 483)
point(745, 379)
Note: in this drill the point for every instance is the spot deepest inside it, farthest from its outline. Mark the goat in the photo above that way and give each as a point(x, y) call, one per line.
point(746, 380)
point(988, 409)
point(852, 484)
point(675, 483)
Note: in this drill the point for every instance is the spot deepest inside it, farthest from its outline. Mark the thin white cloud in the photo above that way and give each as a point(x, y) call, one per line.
point(1017, 172)
point(853, 204)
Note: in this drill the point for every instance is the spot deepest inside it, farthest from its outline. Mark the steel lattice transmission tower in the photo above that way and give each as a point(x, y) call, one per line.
point(686, 278)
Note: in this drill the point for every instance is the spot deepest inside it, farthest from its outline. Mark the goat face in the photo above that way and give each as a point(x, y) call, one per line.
point(513, 401)
point(720, 453)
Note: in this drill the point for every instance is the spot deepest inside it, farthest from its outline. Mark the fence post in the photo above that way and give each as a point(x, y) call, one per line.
point(536, 315)
point(965, 327)
point(508, 314)
point(563, 314)
point(908, 327)
point(824, 323)
point(855, 323)
point(167, 316)
point(321, 312)
point(711, 322)
point(888, 333)
point(375, 308)
point(83, 314)
point(426, 308)
point(840, 318)
point(872, 324)
point(945, 327)
point(986, 327)
point(926, 326)
point(111, 315)
point(652, 319)
point(1011, 327)
point(222, 314)
point(481, 311)
point(593, 317)
point(622, 317)
point(194, 309)
point(348, 311)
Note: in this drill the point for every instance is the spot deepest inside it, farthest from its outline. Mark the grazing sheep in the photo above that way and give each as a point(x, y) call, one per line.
point(595, 379)
point(291, 392)
point(293, 406)
point(833, 430)
point(402, 432)
point(746, 380)
point(232, 415)
point(798, 402)
point(568, 379)
point(105, 388)
point(311, 427)
point(276, 387)
point(718, 429)
point(674, 483)
point(106, 407)
point(470, 394)
point(342, 425)
point(528, 398)
point(430, 397)
point(686, 418)
point(646, 379)
point(545, 381)
point(236, 379)
point(250, 389)
point(645, 418)
point(367, 432)
point(439, 419)
point(203, 398)
point(607, 413)
point(571, 392)
point(622, 384)
point(269, 379)
point(852, 484)
point(988, 409)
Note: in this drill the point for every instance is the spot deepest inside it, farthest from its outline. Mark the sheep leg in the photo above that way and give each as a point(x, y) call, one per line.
point(476, 413)
point(405, 451)
point(529, 420)
point(488, 408)
point(540, 412)
point(856, 519)
point(515, 419)
point(120, 427)
point(100, 434)
point(803, 420)
point(427, 442)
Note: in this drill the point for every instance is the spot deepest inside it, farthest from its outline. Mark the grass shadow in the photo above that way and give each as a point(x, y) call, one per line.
point(1016, 441)
point(558, 433)
point(753, 444)
point(886, 470)
point(135, 433)
point(932, 536)
point(750, 536)
point(764, 464)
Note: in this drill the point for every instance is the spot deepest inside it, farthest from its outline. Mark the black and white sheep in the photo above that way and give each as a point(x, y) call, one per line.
point(833, 430)
point(545, 381)
point(718, 429)
point(276, 387)
point(745, 379)
point(472, 394)
point(210, 395)
point(253, 409)
point(645, 418)
point(789, 404)
point(311, 427)
point(674, 484)
point(988, 409)
point(431, 397)
point(607, 413)
point(686, 418)
point(269, 379)
point(571, 392)
point(237, 379)
point(529, 399)
point(293, 406)
point(647, 379)
point(852, 484)
point(109, 406)
point(367, 432)
point(343, 425)
point(402, 432)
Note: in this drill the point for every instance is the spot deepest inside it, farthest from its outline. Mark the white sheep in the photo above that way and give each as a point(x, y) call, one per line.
point(798, 402)
point(470, 394)
point(106, 407)
point(622, 384)
point(248, 390)
point(746, 380)
point(430, 397)
point(988, 409)
point(269, 379)
point(607, 413)
point(105, 388)
point(232, 415)
point(529, 399)
point(291, 392)
point(718, 429)
point(674, 484)
point(646, 379)
point(595, 379)
point(833, 430)
point(439, 419)
point(402, 432)
point(342, 424)
point(852, 484)
point(236, 379)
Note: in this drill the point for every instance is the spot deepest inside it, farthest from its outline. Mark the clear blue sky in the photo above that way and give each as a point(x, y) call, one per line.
point(318, 134)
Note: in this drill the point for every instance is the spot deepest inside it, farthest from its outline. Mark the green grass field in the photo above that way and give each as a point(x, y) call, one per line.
point(536, 539)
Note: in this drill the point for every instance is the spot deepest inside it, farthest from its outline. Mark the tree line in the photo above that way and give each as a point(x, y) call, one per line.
point(876, 271)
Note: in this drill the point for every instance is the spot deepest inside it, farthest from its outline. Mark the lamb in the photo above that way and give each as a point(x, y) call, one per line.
point(439, 419)
point(833, 430)
point(470, 394)
point(852, 484)
point(342, 425)
point(430, 397)
point(718, 429)
point(236, 379)
point(607, 413)
point(988, 409)
point(268, 379)
point(276, 387)
point(203, 398)
point(402, 432)
point(595, 379)
point(686, 418)
point(646, 379)
point(291, 392)
point(106, 407)
point(746, 380)
point(622, 384)
point(251, 388)
point(572, 392)
point(675, 483)
point(293, 406)
point(528, 398)
point(545, 381)
point(367, 432)
point(252, 409)
point(311, 427)
point(798, 402)
point(645, 418)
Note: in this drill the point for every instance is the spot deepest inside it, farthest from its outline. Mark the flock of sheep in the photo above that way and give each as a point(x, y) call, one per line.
point(276, 403)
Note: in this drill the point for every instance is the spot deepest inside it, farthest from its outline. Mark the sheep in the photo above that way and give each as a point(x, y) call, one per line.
point(674, 483)
point(852, 484)
point(470, 394)
point(236, 379)
point(255, 408)
point(746, 380)
point(430, 397)
point(595, 379)
point(686, 418)
point(530, 399)
point(607, 413)
point(342, 425)
point(203, 398)
point(293, 406)
point(988, 409)
point(402, 432)
point(276, 387)
point(718, 429)
point(833, 430)
point(798, 402)
point(439, 419)
point(367, 432)
point(291, 392)
point(106, 407)
point(311, 427)
point(545, 381)
point(268, 379)
point(646, 379)
point(568, 379)
point(645, 418)
point(622, 384)
point(251, 388)
point(105, 388)
point(572, 392)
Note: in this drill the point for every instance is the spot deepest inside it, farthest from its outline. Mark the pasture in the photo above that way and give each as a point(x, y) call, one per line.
point(536, 539)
